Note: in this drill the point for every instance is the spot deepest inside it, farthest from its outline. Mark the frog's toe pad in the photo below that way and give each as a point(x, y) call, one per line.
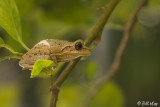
point(53, 68)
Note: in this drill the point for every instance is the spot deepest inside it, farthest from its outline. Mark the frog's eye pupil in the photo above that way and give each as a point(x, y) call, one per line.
point(78, 46)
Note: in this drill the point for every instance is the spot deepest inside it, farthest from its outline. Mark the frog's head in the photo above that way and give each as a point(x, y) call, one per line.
point(81, 49)
point(77, 49)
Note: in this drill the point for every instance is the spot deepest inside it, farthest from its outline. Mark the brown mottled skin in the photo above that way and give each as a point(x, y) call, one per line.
point(55, 50)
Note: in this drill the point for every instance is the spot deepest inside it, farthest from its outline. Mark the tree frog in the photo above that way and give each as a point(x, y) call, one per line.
point(55, 50)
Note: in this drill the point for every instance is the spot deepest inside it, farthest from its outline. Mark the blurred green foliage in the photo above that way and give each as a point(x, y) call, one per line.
point(137, 79)
point(91, 70)
point(109, 96)
point(9, 95)
point(73, 96)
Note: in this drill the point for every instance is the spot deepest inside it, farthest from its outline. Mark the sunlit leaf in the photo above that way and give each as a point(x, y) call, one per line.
point(42, 68)
point(10, 20)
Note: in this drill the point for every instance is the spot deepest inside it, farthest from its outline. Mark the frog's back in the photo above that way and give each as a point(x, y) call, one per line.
point(58, 45)
point(48, 46)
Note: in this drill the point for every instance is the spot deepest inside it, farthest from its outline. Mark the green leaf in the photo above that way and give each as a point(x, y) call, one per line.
point(1, 41)
point(10, 20)
point(42, 68)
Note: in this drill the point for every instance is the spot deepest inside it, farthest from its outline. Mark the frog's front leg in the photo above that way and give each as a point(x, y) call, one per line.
point(54, 58)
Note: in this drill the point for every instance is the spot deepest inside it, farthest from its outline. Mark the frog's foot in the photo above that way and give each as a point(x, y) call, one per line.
point(24, 68)
point(47, 71)
point(54, 59)
point(56, 64)
point(54, 67)
point(30, 67)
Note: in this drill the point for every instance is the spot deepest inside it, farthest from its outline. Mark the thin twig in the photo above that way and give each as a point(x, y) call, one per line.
point(96, 32)
point(118, 57)
point(10, 49)
point(10, 56)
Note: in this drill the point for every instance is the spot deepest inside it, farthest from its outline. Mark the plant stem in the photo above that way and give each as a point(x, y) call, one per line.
point(117, 59)
point(59, 81)
point(96, 33)
point(9, 57)
point(97, 30)
point(10, 49)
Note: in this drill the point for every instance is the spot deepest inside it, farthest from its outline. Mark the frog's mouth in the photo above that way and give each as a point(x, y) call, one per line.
point(85, 51)
point(82, 52)
point(71, 53)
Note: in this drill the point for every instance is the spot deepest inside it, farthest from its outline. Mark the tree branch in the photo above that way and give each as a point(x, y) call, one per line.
point(97, 30)
point(117, 59)
point(96, 33)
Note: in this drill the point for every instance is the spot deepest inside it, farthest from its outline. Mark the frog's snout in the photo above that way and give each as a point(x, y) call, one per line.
point(89, 52)
point(86, 52)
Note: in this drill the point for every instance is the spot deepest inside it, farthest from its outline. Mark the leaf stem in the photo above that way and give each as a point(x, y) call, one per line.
point(10, 49)
point(22, 43)
point(10, 56)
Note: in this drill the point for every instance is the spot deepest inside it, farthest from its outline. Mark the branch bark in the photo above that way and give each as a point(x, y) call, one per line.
point(96, 33)
point(117, 59)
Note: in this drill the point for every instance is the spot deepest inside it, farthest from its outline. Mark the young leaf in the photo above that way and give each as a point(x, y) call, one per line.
point(42, 68)
point(10, 20)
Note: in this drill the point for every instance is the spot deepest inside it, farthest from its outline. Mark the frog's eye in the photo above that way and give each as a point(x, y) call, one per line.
point(78, 46)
